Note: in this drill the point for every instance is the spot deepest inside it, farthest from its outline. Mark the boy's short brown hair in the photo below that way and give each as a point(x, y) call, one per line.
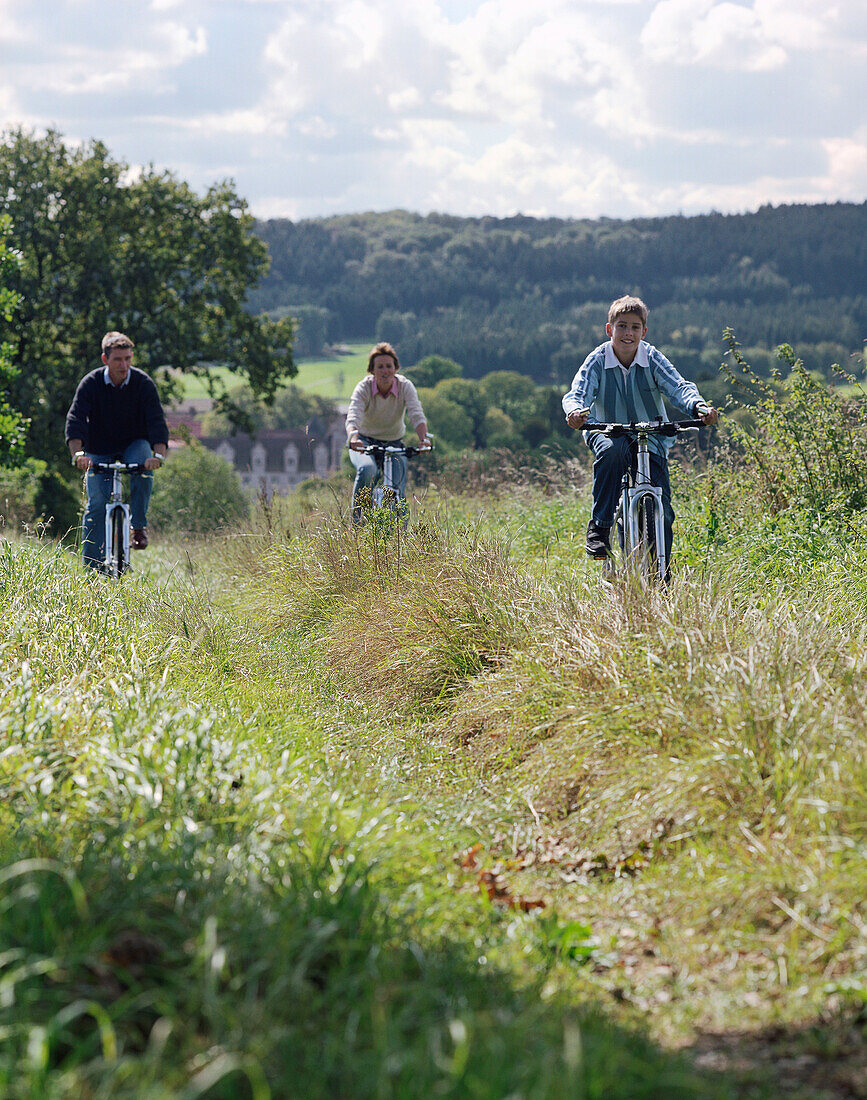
point(115, 340)
point(627, 304)
point(382, 349)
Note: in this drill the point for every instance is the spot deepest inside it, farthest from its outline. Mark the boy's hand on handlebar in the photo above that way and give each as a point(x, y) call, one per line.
point(707, 414)
point(154, 462)
point(355, 444)
point(577, 418)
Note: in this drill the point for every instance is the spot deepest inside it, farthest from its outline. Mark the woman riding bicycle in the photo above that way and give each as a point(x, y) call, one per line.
point(377, 414)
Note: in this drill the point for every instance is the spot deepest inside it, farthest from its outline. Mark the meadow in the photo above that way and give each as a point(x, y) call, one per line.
point(332, 378)
point(304, 810)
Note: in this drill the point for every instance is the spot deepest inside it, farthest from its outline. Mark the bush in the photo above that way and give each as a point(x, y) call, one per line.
point(197, 492)
point(33, 498)
point(805, 450)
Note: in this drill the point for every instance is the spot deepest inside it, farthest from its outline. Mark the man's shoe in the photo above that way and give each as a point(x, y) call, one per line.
point(139, 538)
point(598, 546)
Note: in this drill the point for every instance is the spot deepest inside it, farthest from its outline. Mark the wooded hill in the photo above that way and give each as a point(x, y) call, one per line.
point(530, 294)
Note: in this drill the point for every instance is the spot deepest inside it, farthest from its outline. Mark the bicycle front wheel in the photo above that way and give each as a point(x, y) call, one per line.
point(646, 551)
point(117, 558)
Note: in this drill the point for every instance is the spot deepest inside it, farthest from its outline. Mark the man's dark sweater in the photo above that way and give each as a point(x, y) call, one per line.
point(108, 418)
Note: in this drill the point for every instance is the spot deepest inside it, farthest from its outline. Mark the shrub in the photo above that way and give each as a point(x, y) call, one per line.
point(32, 497)
point(197, 491)
point(806, 448)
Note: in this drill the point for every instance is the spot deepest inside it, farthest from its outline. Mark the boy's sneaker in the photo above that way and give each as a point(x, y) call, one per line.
point(598, 546)
point(139, 538)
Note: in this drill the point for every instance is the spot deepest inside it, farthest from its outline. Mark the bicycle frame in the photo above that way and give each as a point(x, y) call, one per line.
point(643, 548)
point(117, 519)
point(385, 465)
point(631, 512)
point(385, 495)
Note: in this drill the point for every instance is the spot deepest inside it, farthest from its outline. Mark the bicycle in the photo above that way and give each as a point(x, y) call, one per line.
point(639, 516)
point(385, 495)
point(117, 517)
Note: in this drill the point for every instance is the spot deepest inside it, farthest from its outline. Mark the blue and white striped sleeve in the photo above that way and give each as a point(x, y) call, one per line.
point(585, 385)
point(677, 389)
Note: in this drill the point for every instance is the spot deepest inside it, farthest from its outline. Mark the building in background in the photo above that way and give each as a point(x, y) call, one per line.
point(277, 461)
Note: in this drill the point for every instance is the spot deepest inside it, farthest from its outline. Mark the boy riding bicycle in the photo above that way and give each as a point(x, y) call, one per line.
point(624, 381)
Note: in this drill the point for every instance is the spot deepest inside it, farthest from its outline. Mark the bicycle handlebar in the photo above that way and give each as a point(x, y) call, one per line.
point(124, 467)
point(660, 427)
point(378, 449)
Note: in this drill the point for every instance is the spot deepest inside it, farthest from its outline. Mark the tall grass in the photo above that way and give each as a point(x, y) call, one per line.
point(697, 752)
point(270, 813)
point(191, 910)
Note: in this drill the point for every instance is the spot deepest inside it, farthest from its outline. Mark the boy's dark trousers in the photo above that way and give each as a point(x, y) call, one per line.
point(613, 456)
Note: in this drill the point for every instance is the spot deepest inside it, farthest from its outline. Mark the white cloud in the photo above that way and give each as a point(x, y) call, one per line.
point(724, 35)
point(847, 166)
point(580, 107)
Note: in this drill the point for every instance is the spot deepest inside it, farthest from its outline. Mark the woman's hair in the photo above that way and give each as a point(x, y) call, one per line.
point(382, 349)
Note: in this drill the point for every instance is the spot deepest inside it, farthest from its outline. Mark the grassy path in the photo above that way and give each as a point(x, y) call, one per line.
point(210, 893)
point(276, 822)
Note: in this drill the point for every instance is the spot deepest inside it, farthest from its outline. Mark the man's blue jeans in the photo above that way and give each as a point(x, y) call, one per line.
point(366, 470)
point(99, 492)
point(613, 457)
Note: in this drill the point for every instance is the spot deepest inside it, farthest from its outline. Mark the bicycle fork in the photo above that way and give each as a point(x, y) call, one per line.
point(636, 535)
point(117, 521)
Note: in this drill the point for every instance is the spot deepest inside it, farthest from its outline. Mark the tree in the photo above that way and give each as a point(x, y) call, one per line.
point(469, 397)
point(500, 429)
point(292, 408)
point(446, 419)
point(198, 491)
point(313, 324)
point(514, 393)
point(102, 248)
point(432, 369)
point(12, 424)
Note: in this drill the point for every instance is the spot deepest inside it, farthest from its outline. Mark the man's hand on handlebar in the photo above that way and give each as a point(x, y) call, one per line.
point(154, 462)
point(355, 444)
point(707, 414)
point(577, 418)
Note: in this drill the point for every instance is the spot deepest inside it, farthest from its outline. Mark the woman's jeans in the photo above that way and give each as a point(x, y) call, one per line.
point(99, 493)
point(366, 472)
point(613, 457)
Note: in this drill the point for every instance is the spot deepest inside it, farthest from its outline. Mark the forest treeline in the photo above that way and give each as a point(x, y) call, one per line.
point(530, 294)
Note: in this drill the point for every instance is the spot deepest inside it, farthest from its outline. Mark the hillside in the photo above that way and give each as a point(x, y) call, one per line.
point(530, 294)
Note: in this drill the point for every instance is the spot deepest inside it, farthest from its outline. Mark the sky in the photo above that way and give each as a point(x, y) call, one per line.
point(567, 108)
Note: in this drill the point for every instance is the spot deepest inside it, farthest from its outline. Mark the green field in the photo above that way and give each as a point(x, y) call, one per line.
point(309, 810)
point(331, 378)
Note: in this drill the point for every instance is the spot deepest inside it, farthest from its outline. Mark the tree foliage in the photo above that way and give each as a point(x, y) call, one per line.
point(432, 369)
point(531, 294)
point(291, 408)
point(12, 424)
point(502, 409)
point(104, 248)
point(197, 491)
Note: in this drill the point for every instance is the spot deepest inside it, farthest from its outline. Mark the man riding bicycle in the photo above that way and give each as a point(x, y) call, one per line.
point(116, 414)
point(377, 415)
point(624, 381)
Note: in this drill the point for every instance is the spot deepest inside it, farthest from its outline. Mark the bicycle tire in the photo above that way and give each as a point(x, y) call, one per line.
point(117, 559)
point(646, 556)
